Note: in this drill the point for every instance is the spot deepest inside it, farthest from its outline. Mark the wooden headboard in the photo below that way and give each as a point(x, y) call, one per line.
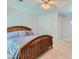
point(17, 28)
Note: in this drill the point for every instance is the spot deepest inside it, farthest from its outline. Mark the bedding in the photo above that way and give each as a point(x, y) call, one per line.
point(13, 34)
point(16, 43)
point(19, 34)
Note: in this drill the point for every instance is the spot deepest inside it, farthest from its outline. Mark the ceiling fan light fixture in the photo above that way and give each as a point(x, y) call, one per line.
point(46, 4)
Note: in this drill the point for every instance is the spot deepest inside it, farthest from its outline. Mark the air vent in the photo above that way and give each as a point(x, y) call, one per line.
point(21, 0)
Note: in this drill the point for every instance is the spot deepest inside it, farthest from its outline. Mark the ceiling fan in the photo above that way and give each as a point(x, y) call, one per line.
point(46, 4)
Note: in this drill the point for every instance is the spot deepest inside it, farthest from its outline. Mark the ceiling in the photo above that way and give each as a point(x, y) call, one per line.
point(32, 7)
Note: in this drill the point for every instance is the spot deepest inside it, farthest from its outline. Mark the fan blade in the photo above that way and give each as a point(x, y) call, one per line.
point(52, 2)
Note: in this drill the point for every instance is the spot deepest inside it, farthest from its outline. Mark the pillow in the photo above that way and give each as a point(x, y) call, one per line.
point(13, 34)
point(26, 33)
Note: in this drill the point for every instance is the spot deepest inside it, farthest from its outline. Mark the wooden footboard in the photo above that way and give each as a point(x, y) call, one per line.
point(35, 47)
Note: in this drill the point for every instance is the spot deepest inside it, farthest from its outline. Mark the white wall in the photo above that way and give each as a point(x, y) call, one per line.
point(48, 24)
point(45, 24)
point(54, 24)
point(18, 18)
point(60, 18)
point(67, 28)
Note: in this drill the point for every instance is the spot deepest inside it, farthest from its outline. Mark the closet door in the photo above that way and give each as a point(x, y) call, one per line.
point(48, 25)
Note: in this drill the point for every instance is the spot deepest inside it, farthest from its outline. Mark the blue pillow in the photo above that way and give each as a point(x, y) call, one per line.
point(13, 34)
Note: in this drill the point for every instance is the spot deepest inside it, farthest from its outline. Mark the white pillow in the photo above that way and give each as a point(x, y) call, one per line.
point(26, 33)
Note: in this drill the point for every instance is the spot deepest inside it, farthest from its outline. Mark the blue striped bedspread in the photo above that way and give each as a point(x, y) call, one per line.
point(14, 45)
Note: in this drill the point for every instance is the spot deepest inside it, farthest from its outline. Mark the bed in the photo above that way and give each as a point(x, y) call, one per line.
point(27, 47)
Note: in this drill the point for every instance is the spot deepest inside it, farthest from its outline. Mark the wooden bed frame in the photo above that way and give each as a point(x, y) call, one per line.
point(34, 47)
